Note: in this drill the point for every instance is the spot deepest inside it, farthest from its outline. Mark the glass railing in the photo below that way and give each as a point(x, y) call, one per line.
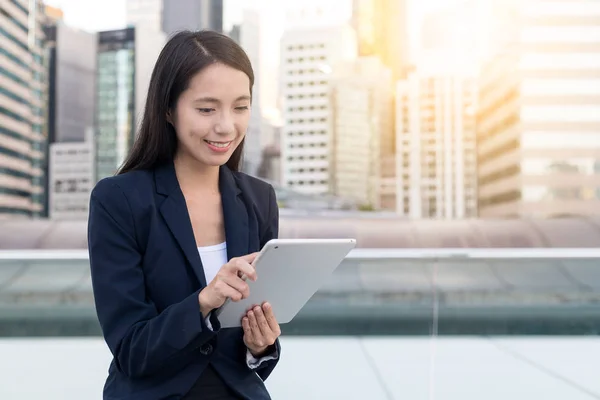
point(373, 291)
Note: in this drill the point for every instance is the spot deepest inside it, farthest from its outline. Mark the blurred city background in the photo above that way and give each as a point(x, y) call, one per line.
point(457, 140)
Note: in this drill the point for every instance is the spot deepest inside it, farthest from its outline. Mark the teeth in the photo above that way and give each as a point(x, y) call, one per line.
point(216, 144)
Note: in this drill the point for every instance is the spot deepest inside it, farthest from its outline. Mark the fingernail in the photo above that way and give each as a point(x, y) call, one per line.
point(257, 309)
point(267, 306)
point(250, 313)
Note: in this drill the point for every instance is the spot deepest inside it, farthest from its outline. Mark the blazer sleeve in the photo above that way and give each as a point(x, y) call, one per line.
point(271, 231)
point(142, 341)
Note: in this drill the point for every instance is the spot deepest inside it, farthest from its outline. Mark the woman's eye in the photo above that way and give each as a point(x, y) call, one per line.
point(205, 110)
point(242, 108)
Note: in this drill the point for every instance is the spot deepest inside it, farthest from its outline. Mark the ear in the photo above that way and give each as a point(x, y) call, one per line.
point(169, 118)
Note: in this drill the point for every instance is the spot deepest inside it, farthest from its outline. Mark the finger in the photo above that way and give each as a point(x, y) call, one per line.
point(241, 267)
point(228, 291)
point(248, 335)
point(237, 284)
point(246, 327)
point(249, 258)
point(256, 334)
point(271, 320)
point(263, 325)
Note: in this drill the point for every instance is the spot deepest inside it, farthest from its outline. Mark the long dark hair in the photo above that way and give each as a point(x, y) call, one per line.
point(184, 55)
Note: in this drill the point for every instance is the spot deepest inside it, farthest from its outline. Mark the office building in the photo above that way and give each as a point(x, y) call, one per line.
point(53, 15)
point(381, 29)
point(235, 33)
point(70, 103)
point(270, 164)
point(144, 12)
point(71, 82)
point(307, 59)
point(72, 178)
point(126, 58)
point(388, 184)
point(538, 128)
point(362, 122)
point(171, 16)
point(22, 109)
point(192, 14)
point(250, 39)
point(435, 130)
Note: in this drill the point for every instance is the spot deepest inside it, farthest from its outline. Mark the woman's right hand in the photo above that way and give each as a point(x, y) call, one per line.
point(228, 283)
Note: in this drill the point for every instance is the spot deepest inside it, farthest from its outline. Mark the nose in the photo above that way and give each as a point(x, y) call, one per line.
point(225, 125)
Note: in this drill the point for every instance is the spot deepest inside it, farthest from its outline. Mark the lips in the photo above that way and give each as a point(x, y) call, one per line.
point(218, 147)
point(219, 144)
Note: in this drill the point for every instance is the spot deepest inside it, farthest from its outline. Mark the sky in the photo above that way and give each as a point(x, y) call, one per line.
point(97, 15)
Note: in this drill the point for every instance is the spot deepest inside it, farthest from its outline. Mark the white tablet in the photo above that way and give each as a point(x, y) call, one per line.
point(289, 272)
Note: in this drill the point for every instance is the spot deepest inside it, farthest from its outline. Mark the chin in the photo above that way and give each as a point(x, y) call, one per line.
point(215, 161)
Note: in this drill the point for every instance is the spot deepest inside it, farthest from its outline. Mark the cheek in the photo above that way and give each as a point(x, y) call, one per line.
point(242, 125)
point(189, 126)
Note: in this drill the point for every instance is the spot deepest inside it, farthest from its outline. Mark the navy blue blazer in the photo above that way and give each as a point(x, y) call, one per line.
point(147, 273)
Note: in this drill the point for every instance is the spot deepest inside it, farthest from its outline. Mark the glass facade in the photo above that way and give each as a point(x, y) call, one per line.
point(115, 102)
point(22, 112)
point(539, 114)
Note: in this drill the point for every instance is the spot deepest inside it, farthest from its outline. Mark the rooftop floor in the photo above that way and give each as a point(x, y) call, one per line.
point(465, 368)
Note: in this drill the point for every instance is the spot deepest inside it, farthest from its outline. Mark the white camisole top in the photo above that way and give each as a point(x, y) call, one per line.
point(213, 258)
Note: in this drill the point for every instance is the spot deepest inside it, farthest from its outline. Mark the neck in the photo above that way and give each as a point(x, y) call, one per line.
point(196, 177)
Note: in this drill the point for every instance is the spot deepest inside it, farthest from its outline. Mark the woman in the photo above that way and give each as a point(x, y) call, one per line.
point(171, 234)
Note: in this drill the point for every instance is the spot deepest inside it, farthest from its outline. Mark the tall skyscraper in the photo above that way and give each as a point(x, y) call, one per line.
point(539, 113)
point(250, 39)
point(192, 14)
point(270, 164)
point(235, 33)
point(126, 58)
point(435, 130)
point(22, 112)
point(362, 120)
point(72, 82)
point(115, 98)
point(71, 89)
point(52, 15)
point(307, 60)
point(171, 16)
point(145, 12)
point(381, 29)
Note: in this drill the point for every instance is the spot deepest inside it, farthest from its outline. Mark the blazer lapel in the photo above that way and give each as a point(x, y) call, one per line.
point(174, 211)
point(235, 215)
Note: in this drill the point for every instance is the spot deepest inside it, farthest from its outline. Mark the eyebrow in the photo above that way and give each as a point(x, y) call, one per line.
point(215, 100)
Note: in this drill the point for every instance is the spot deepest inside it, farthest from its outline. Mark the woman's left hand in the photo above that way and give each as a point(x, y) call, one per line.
point(261, 329)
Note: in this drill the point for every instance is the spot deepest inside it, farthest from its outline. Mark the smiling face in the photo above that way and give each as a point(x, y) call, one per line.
point(211, 116)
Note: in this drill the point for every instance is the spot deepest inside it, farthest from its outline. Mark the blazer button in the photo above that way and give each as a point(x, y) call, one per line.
point(206, 349)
